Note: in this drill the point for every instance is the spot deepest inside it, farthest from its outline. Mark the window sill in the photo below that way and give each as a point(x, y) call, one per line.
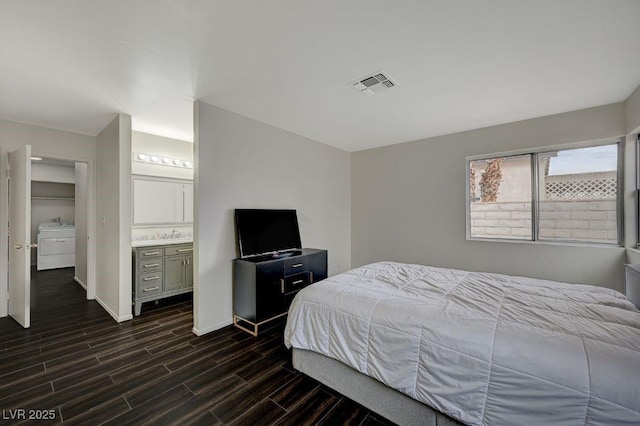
point(551, 243)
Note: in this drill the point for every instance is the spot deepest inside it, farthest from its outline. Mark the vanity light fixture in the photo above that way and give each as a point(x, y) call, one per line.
point(161, 160)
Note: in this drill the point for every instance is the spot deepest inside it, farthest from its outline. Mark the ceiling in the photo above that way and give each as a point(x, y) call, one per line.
point(459, 65)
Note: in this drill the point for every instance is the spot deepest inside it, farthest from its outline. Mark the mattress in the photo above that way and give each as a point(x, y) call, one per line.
point(482, 348)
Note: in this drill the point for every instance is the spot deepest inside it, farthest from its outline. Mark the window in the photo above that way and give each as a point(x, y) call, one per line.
point(500, 203)
point(562, 195)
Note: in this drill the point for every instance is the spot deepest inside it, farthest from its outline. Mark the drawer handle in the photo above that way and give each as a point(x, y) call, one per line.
point(58, 240)
point(282, 285)
point(151, 278)
point(297, 265)
point(151, 253)
point(310, 277)
point(297, 282)
point(150, 289)
point(150, 265)
point(183, 250)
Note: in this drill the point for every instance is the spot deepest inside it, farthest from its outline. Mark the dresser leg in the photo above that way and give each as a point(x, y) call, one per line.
point(138, 308)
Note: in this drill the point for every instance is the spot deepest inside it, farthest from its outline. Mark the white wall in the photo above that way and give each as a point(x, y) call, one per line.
point(113, 210)
point(81, 212)
point(243, 163)
point(45, 143)
point(408, 202)
point(162, 147)
point(52, 173)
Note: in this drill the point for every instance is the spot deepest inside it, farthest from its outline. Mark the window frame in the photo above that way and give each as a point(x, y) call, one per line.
point(535, 202)
point(637, 191)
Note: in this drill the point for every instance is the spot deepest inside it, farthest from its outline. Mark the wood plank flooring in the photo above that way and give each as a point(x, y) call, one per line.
point(78, 366)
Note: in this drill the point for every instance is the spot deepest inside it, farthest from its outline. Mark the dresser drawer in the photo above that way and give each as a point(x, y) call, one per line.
point(296, 266)
point(149, 284)
point(295, 282)
point(150, 265)
point(146, 253)
point(178, 249)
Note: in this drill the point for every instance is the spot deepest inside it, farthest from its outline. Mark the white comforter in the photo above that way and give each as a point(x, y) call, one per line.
point(482, 348)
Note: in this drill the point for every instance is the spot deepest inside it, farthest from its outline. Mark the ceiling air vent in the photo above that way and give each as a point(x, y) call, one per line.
point(374, 83)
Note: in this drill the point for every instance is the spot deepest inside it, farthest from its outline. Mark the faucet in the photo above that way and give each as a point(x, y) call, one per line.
point(58, 220)
point(175, 234)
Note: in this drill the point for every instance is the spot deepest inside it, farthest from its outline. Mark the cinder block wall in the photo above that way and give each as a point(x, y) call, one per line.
point(582, 220)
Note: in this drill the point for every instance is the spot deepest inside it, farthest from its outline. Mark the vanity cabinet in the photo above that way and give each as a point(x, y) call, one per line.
point(178, 273)
point(162, 201)
point(161, 271)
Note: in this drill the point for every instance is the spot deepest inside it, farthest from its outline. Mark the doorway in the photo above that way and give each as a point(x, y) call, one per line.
point(57, 224)
point(59, 216)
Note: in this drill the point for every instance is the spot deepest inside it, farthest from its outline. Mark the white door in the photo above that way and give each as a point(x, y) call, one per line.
point(20, 235)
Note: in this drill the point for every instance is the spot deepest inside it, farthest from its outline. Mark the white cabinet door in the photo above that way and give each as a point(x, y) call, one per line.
point(188, 202)
point(156, 202)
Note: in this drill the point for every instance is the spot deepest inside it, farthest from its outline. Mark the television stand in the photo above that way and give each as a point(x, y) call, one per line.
point(285, 254)
point(264, 287)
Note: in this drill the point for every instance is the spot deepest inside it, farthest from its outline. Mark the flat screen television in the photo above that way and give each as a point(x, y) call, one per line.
point(260, 232)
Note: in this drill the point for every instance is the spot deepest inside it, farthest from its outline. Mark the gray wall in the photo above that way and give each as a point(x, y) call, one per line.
point(408, 202)
point(113, 210)
point(243, 163)
point(632, 119)
point(632, 112)
point(81, 205)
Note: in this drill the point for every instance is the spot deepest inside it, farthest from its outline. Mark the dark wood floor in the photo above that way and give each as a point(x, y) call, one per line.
point(76, 361)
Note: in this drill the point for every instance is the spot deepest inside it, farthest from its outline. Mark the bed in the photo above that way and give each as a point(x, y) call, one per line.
point(481, 348)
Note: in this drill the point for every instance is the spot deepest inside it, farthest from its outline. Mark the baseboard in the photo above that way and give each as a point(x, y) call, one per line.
point(83, 285)
point(113, 314)
point(201, 332)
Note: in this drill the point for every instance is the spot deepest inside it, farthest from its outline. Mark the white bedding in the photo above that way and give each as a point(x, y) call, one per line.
point(482, 348)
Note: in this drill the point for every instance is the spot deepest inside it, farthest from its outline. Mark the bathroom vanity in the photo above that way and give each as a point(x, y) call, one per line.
point(161, 268)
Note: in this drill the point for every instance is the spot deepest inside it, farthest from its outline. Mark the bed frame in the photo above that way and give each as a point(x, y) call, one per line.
point(388, 402)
